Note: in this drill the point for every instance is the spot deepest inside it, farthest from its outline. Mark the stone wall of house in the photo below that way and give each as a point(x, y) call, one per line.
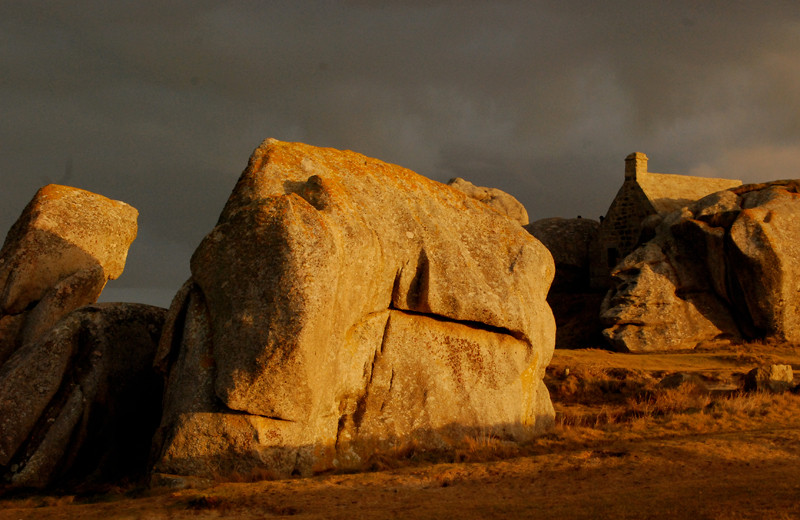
point(619, 231)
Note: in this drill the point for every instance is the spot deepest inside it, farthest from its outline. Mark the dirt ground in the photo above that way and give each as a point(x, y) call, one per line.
point(624, 446)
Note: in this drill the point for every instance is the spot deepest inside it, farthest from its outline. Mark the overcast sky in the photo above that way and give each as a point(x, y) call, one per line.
point(160, 104)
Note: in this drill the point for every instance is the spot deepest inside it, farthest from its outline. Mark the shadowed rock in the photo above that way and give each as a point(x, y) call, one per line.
point(343, 306)
point(81, 403)
point(575, 304)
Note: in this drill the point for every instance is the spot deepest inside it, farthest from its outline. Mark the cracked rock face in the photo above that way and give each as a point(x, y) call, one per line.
point(57, 257)
point(724, 267)
point(342, 307)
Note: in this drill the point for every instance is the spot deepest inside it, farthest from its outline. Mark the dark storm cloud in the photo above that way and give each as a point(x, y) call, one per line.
point(159, 104)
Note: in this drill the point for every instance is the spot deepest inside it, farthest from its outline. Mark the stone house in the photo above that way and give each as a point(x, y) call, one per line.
point(643, 194)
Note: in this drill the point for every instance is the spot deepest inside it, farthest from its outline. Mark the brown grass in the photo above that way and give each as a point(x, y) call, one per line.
point(484, 447)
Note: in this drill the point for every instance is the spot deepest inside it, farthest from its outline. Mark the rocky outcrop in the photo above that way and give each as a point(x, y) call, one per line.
point(81, 403)
point(57, 257)
point(494, 198)
point(575, 304)
point(725, 266)
point(343, 307)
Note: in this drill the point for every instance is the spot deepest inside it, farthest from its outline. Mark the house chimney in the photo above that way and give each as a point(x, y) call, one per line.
point(635, 164)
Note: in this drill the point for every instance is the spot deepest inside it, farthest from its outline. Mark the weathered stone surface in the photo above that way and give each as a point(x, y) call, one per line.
point(499, 200)
point(771, 378)
point(80, 288)
point(575, 304)
point(649, 309)
point(436, 380)
point(10, 335)
point(725, 266)
point(82, 402)
point(57, 257)
point(343, 304)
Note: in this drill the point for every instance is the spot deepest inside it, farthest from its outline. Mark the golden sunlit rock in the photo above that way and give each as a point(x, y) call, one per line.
point(343, 306)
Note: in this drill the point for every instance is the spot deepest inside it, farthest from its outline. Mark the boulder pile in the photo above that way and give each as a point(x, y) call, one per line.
point(78, 397)
point(726, 266)
point(344, 308)
point(58, 256)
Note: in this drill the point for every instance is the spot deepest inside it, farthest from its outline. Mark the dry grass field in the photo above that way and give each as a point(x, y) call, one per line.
point(625, 445)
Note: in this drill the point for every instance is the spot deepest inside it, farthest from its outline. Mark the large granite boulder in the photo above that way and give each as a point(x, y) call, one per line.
point(344, 307)
point(724, 267)
point(575, 304)
point(499, 200)
point(57, 257)
point(81, 403)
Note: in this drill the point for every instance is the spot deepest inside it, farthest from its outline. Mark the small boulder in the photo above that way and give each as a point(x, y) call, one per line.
point(496, 199)
point(57, 257)
point(682, 378)
point(770, 378)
